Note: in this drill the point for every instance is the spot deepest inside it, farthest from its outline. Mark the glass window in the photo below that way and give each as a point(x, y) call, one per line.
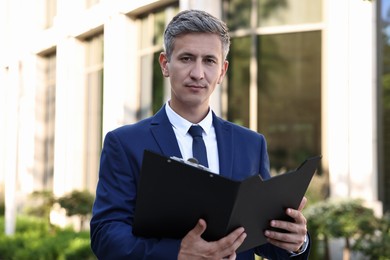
point(238, 13)
point(159, 22)
point(286, 103)
point(93, 107)
point(385, 81)
point(238, 92)
point(288, 12)
point(45, 118)
point(146, 85)
point(157, 85)
point(152, 87)
point(233, 20)
point(289, 96)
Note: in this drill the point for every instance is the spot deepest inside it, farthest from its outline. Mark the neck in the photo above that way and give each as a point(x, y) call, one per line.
point(193, 114)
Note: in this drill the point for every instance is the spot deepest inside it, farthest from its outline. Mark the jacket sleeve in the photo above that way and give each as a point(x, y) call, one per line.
point(273, 252)
point(113, 210)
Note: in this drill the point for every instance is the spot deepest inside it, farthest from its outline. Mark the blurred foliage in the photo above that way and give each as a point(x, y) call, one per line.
point(2, 204)
point(77, 203)
point(268, 7)
point(40, 204)
point(35, 239)
point(347, 219)
point(386, 90)
point(376, 245)
point(318, 189)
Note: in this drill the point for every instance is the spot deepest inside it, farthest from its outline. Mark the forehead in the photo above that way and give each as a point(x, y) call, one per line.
point(198, 44)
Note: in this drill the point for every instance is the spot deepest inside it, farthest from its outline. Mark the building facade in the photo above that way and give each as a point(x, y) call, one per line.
point(309, 74)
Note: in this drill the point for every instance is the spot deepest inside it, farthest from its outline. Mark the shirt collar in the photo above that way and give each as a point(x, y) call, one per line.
point(182, 125)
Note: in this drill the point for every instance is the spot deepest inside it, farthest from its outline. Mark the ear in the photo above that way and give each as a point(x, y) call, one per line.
point(163, 60)
point(224, 69)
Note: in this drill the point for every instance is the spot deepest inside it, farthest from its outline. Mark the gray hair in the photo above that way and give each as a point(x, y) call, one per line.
point(195, 21)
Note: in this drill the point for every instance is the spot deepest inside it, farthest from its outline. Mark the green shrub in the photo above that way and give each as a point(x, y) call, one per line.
point(347, 219)
point(9, 245)
point(2, 205)
point(40, 204)
point(79, 248)
point(77, 203)
point(26, 224)
point(377, 244)
point(34, 240)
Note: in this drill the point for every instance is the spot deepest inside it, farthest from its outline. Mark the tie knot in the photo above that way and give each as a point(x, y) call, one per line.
point(195, 131)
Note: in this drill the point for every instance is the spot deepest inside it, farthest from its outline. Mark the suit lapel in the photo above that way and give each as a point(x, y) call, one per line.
point(165, 138)
point(224, 135)
point(164, 135)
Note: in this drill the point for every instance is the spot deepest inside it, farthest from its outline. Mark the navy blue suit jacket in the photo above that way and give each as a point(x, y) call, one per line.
point(242, 153)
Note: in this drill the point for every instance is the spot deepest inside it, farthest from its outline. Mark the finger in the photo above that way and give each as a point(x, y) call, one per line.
point(230, 243)
point(289, 237)
point(236, 237)
point(238, 242)
point(297, 215)
point(293, 239)
point(200, 227)
point(299, 226)
point(303, 203)
point(232, 256)
point(285, 245)
point(288, 241)
point(230, 250)
point(288, 226)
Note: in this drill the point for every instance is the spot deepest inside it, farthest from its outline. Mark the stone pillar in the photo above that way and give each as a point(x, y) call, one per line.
point(121, 72)
point(349, 99)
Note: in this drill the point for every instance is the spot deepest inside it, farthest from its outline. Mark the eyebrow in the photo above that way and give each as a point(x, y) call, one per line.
point(192, 55)
point(212, 57)
point(185, 54)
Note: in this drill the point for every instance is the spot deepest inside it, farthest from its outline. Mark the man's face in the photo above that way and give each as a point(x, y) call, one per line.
point(195, 68)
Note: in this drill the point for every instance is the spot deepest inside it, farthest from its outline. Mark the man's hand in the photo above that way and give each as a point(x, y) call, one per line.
point(193, 246)
point(297, 230)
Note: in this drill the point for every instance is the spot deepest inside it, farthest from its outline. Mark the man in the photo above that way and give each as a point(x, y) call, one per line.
point(196, 46)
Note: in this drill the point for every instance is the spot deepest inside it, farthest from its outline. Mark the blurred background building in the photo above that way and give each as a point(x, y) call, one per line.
point(312, 75)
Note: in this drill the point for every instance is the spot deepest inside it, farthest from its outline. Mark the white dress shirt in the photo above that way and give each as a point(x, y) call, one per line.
point(181, 126)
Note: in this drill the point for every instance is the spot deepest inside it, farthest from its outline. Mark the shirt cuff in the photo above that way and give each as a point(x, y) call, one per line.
point(302, 249)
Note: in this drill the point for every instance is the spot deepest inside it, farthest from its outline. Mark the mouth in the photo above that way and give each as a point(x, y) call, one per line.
point(195, 86)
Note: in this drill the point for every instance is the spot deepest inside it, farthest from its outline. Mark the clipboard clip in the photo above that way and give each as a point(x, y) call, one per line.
point(192, 162)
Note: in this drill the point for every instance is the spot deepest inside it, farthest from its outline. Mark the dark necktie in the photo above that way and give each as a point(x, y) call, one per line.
point(198, 146)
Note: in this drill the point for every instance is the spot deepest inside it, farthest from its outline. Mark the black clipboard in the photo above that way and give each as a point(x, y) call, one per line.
point(173, 195)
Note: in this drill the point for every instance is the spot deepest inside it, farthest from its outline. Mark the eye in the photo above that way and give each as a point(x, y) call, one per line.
point(210, 61)
point(185, 59)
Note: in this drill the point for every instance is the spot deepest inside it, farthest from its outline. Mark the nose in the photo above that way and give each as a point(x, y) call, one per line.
point(197, 71)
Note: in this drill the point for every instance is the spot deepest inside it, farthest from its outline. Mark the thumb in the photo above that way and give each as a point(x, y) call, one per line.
point(200, 227)
point(303, 203)
point(233, 256)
